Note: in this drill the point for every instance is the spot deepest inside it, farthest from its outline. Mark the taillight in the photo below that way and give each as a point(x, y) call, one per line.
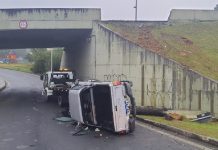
point(122, 132)
point(116, 83)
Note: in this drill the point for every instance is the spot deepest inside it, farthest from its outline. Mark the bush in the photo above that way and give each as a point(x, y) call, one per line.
point(41, 59)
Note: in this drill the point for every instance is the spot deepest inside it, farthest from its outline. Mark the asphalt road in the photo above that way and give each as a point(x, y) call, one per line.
point(27, 123)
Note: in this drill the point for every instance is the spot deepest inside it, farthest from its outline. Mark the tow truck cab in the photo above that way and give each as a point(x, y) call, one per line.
point(57, 83)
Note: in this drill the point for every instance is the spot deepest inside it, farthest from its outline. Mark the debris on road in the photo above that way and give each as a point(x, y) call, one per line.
point(203, 118)
point(98, 133)
point(173, 116)
point(97, 130)
point(35, 109)
point(64, 119)
point(80, 130)
point(188, 114)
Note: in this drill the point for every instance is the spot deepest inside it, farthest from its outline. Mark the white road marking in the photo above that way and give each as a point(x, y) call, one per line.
point(35, 109)
point(22, 146)
point(8, 140)
point(174, 137)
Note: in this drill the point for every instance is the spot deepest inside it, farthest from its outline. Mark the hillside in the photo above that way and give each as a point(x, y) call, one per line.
point(193, 44)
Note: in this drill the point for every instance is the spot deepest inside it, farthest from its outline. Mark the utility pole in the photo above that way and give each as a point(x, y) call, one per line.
point(136, 10)
point(51, 60)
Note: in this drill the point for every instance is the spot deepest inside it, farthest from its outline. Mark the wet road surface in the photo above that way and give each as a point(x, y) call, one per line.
point(27, 122)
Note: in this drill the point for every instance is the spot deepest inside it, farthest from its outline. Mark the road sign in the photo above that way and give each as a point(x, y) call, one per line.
point(23, 24)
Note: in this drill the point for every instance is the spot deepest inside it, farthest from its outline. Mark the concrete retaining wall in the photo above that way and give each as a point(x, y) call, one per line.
point(193, 15)
point(158, 81)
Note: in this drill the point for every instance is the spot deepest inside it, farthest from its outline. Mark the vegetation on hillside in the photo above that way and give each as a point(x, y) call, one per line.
point(192, 44)
point(18, 67)
point(41, 59)
point(205, 129)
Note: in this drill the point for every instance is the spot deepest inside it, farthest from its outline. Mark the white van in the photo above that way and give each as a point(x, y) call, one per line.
point(107, 105)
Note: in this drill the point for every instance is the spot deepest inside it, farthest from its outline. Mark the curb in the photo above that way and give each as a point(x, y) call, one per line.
point(3, 86)
point(200, 138)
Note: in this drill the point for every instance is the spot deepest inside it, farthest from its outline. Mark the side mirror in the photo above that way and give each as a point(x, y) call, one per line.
point(41, 77)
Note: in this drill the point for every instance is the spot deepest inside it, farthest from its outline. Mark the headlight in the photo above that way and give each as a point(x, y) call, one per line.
point(52, 85)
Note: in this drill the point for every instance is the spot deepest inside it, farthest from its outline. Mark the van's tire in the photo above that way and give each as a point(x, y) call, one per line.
point(131, 125)
point(62, 101)
point(49, 98)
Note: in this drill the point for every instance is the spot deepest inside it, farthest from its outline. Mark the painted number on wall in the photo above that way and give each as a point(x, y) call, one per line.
point(23, 24)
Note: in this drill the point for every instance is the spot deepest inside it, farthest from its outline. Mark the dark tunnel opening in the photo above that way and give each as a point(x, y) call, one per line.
point(42, 38)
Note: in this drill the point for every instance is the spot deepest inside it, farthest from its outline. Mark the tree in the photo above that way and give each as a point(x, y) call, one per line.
point(29, 57)
point(41, 59)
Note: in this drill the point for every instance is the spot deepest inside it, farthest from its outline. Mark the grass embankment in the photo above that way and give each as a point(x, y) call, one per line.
point(193, 45)
point(18, 67)
point(206, 129)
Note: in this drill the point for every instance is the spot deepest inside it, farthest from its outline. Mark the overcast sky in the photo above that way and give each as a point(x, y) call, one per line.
point(117, 9)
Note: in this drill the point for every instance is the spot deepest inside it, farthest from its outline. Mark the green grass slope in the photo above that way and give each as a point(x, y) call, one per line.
point(193, 44)
point(18, 67)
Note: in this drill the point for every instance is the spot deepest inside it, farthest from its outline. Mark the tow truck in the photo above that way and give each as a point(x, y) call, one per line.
point(56, 84)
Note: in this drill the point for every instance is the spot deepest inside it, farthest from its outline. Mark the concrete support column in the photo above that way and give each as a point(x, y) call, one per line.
point(65, 60)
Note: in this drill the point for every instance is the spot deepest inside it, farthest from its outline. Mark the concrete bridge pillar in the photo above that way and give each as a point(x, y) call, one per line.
point(77, 59)
point(64, 60)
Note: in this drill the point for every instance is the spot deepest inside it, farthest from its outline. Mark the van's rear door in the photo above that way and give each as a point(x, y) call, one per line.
point(75, 104)
point(119, 110)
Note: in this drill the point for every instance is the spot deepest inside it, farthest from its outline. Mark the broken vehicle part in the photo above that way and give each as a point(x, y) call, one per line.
point(202, 118)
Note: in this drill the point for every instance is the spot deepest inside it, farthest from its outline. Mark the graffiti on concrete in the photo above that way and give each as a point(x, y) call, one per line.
point(114, 77)
point(157, 97)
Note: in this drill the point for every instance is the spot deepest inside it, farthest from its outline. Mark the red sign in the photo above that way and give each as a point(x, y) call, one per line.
point(23, 24)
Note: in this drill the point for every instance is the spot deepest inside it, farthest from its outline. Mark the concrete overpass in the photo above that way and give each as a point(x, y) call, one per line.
point(41, 28)
point(97, 52)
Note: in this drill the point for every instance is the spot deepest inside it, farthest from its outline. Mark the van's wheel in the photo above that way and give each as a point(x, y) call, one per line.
point(49, 98)
point(131, 125)
point(62, 102)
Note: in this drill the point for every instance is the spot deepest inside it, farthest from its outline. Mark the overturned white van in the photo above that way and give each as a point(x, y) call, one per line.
point(107, 105)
